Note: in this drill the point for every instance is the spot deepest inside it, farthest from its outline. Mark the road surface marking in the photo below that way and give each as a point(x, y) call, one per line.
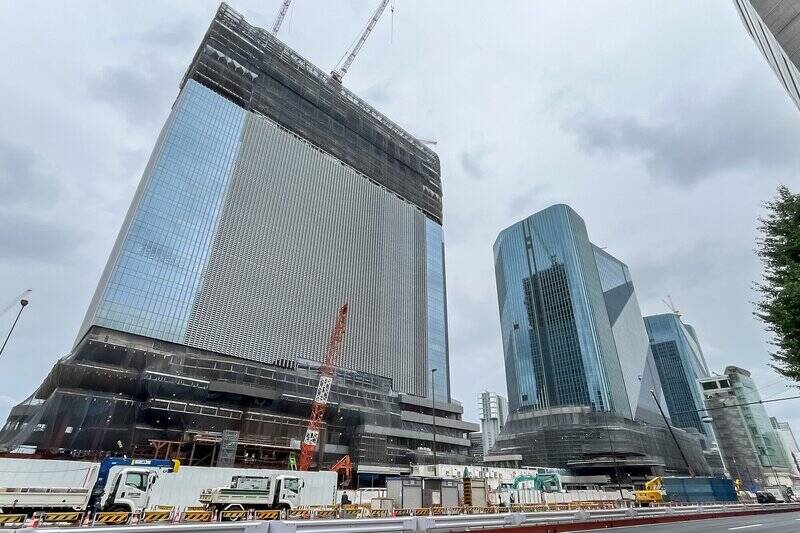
point(744, 527)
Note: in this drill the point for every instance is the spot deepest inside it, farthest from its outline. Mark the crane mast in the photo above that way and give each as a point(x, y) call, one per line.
point(339, 73)
point(280, 16)
point(317, 418)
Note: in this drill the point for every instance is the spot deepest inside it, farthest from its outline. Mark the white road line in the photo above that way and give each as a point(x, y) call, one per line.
point(746, 527)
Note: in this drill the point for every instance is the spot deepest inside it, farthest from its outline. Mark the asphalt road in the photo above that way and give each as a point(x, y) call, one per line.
point(766, 523)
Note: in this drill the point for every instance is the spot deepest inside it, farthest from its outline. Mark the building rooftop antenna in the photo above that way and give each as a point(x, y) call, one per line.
point(280, 16)
point(671, 305)
point(338, 73)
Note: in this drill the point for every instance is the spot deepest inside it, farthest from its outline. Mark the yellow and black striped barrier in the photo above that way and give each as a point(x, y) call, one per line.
point(233, 515)
point(69, 517)
point(350, 512)
point(422, 511)
point(196, 516)
point(378, 513)
point(326, 513)
point(117, 518)
point(267, 514)
point(304, 514)
point(404, 512)
point(12, 519)
point(151, 517)
point(438, 511)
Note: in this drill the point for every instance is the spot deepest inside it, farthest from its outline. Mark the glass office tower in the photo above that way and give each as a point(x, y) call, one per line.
point(273, 195)
point(557, 339)
point(680, 364)
point(578, 364)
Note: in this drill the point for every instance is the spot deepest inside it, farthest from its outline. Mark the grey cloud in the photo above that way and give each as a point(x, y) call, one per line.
point(183, 33)
point(135, 92)
point(721, 132)
point(529, 201)
point(473, 162)
point(29, 237)
point(21, 179)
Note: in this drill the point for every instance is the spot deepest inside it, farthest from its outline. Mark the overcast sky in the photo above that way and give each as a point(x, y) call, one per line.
point(659, 122)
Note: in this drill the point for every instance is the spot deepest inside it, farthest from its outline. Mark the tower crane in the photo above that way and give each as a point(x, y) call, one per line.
point(339, 73)
point(317, 418)
point(15, 301)
point(280, 16)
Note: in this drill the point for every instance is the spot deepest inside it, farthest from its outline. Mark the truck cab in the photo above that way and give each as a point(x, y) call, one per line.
point(130, 490)
point(287, 491)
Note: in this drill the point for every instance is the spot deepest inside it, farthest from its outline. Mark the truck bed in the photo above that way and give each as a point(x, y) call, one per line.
point(44, 498)
point(226, 496)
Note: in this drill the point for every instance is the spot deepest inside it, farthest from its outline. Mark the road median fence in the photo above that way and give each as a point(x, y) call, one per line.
point(347, 519)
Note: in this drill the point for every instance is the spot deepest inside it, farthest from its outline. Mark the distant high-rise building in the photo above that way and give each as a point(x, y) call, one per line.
point(750, 446)
point(578, 365)
point(774, 26)
point(790, 449)
point(680, 363)
point(493, 412)
point(476, 449)
point(273, 196)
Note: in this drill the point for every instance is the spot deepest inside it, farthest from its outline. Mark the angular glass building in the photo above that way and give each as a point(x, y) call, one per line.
point(774, 25)
point(680, 363)
point(557, 340)
point(578, 364)
point(273, 195)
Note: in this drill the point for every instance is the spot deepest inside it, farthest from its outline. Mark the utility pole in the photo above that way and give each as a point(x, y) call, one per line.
point(22, 303)
point(433, 412)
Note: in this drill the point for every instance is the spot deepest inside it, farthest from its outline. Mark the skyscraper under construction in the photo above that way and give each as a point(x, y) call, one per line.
point(272, 196)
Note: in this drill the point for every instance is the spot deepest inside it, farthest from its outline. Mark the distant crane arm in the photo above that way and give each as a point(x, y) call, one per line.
point(280, 16)
point(339, 73)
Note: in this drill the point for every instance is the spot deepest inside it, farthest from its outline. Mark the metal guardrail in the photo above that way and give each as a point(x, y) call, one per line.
point(420, 524)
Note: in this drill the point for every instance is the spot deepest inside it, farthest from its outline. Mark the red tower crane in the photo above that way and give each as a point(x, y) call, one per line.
point(317, 418)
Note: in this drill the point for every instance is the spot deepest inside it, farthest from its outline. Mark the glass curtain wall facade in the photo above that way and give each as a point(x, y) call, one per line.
point(630, 337)
point(557, 340)
point(273, 196)
point(774, 25)
point(245, 237)
point(680, 364)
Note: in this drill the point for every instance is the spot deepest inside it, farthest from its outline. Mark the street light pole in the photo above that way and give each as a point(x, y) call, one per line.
point(22, 303)
point(433, 412)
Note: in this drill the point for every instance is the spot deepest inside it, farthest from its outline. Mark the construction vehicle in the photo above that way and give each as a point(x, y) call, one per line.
point(317, 418)
point(688, 489)
point(652, 492)
point(116, 484)
point(344, 466)
point(254, 492)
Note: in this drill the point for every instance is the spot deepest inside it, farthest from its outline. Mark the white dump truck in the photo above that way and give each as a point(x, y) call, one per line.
point(255, 492)
point(116, 484)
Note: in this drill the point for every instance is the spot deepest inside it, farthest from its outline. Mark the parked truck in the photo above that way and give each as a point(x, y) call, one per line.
point(276, 491)
point(115, 484)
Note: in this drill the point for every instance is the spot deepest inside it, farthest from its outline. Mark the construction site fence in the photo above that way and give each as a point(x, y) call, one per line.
point(492, 515)
point(411, 523)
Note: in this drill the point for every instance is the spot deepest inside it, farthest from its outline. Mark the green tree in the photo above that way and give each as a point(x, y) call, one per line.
point(779, 307)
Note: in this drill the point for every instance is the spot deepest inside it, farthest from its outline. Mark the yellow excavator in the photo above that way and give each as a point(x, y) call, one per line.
point(651, 494)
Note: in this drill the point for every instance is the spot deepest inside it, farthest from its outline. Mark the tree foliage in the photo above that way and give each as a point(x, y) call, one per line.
point(779, 307)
